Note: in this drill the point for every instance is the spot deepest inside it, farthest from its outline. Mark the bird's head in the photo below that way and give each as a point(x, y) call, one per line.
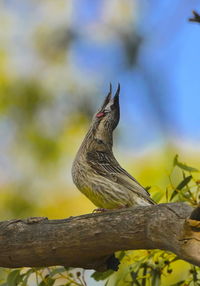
point(107, 117)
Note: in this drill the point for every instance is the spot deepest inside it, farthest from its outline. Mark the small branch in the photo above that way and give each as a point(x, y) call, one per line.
point(196, 17)
point(87, 241)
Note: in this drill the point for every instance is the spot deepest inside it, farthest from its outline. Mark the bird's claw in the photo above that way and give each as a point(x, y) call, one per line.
point(100, 210)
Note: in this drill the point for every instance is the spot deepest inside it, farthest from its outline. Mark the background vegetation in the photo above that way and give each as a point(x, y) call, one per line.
point(56, 61)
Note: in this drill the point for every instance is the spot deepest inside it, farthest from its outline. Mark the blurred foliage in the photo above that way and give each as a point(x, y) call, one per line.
point(44, 277)
point(52, 44)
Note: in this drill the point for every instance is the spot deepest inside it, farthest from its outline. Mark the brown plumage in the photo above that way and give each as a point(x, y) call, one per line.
point(96, 172)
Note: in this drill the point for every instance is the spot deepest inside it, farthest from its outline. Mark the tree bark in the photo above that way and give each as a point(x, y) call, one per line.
point(87, 241)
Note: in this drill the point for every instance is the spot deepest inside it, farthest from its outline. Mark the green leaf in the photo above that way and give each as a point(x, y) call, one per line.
point(147, 188)
point(174, 259)
point(106, 282)
point(184, 166)
point(180, 186)
point(184, 183)
point(156, 280)
point(14, 278)
point(156, 274)
point(48, 281)
point(121, 255)
point(98, 276)
point(26, 276)
point(57, 271)
point(158, 196)
point(179, 283)
point(134, 278)
point(175, 192)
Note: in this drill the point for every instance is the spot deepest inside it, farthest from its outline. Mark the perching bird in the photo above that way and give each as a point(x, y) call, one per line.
point(96, 172)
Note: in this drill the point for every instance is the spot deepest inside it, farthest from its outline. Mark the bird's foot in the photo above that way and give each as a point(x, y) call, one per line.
point(100, 210)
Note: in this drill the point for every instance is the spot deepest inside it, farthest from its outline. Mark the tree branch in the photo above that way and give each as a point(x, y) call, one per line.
point(87, 241)
point(196, 17)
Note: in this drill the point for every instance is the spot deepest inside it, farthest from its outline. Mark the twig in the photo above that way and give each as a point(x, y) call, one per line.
point(196, 17)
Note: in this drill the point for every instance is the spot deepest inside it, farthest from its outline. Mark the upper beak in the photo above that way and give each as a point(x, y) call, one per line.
point(113, 103)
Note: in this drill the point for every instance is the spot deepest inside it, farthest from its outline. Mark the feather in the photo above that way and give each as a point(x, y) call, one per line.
point(105, 164)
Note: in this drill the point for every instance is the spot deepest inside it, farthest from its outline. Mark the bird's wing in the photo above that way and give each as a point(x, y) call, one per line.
point(107, 166)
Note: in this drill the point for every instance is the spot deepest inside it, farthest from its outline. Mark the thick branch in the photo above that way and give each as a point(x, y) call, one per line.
point(87, 241)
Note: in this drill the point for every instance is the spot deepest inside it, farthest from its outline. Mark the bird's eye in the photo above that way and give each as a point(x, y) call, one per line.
point(106, 111)
point(99, 141)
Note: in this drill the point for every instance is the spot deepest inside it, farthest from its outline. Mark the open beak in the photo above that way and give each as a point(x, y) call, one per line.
point(111, 104)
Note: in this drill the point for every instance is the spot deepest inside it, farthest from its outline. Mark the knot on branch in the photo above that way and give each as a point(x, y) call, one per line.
point(195, 215)
point(192, 225)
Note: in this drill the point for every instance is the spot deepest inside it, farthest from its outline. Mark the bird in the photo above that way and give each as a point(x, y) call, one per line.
point(95, 170)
